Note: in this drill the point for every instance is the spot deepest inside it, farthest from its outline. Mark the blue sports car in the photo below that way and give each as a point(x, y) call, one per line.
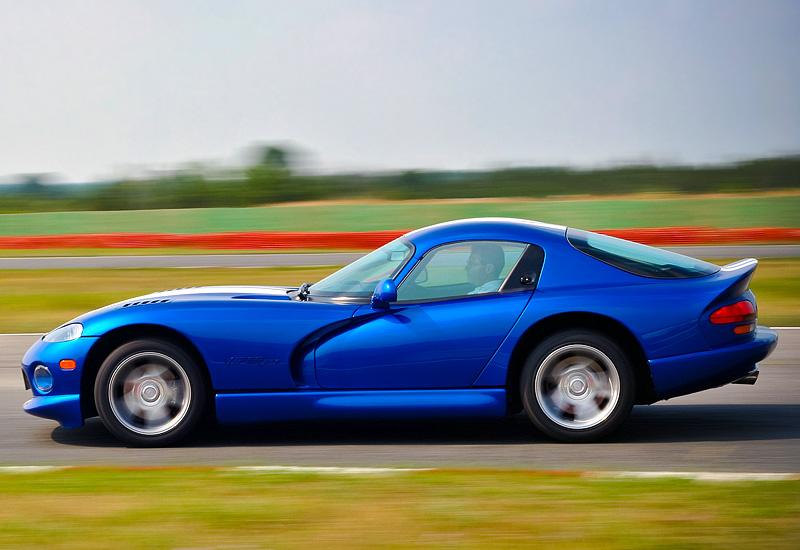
point(471, 318)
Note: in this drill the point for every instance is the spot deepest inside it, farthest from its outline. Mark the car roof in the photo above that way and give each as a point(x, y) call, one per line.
point(494, 229)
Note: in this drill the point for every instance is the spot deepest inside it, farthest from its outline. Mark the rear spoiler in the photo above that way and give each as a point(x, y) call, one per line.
point(736, 278)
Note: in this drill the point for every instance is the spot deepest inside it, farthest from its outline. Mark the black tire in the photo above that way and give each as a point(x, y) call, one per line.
point(149, 393)
point(577, 386)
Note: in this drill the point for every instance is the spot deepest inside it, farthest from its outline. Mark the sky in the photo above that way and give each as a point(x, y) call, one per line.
point(91, 90)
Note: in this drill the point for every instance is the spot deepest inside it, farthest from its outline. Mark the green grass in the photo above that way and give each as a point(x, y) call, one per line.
point(713, 211)
point(199, 508)
point(39, 300)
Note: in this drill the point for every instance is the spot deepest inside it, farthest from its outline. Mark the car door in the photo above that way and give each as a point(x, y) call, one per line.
point(444, 327)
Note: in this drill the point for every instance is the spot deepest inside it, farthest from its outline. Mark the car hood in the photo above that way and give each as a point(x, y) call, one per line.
point(193, 295)
point(216, 292)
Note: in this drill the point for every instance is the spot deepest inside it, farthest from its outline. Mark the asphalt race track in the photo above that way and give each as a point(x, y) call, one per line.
point(728, 429)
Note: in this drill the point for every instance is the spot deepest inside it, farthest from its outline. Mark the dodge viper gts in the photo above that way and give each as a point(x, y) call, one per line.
point(474, 318)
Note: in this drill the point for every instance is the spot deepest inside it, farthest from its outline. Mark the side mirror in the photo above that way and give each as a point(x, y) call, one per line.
point(385, 293)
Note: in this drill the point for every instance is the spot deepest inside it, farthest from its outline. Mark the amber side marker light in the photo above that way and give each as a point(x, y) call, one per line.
point(67, 364)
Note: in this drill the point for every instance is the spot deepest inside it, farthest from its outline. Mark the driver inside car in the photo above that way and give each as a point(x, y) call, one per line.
point(483, 268)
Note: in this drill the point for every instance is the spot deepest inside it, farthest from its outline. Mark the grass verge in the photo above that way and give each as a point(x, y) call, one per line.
point(199, 508)
point(39, 300)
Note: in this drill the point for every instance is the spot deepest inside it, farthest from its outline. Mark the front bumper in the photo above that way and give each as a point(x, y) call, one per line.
point(62, 403)
point(693, 372)
point(66, 409)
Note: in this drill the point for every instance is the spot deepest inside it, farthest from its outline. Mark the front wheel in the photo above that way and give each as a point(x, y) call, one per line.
point(577, 386)
point(149, 393)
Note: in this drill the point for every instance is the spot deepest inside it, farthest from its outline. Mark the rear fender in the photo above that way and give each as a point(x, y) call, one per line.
point(732, 285)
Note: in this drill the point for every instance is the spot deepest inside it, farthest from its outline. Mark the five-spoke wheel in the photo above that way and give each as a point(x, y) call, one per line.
point(577, 386)
point(149, 392)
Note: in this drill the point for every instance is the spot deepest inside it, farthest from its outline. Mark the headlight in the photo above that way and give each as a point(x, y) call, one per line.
point(65, 333)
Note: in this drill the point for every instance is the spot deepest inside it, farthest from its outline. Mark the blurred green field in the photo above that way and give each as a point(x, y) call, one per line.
point(198, 508)
point(40, 300)
point(713, 211)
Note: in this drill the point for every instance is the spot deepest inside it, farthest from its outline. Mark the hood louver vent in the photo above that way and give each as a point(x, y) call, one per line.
point(145, 302)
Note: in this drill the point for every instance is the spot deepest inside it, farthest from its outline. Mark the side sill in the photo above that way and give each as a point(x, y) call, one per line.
point(265, 407)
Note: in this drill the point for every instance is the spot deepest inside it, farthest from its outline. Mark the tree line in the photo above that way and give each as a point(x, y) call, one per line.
point(271, 179)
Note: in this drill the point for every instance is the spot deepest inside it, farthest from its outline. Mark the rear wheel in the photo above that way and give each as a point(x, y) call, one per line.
point(149, 393)
point(577, 386)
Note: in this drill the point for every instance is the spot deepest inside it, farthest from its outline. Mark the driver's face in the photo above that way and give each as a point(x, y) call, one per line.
point(477, 271)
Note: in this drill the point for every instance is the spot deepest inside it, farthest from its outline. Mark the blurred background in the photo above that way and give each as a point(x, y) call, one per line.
point(184, 104)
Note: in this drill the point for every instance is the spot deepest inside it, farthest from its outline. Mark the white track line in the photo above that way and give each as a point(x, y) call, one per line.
point(700, 476)
point(693, 476)
point(323, 469)
point(31, 469)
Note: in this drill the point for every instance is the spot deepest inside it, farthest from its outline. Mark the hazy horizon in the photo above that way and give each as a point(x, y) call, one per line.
point(94, 91)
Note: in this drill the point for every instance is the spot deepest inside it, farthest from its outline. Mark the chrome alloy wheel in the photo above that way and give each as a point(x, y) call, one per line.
point(149, 393)
point(577, 386)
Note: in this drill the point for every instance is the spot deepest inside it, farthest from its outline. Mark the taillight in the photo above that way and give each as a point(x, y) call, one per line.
point(735, 313)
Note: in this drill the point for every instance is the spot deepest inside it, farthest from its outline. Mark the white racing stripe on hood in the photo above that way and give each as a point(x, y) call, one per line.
point(206, 290)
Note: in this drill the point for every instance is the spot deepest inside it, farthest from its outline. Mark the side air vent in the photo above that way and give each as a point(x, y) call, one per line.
point(145, 302)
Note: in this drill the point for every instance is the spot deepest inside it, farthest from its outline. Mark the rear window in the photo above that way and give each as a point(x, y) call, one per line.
point(639, 259)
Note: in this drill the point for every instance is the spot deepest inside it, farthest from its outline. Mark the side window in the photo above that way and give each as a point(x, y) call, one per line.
point(461, 269)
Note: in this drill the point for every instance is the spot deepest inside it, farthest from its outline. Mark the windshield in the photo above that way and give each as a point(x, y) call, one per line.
point(360, 278)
